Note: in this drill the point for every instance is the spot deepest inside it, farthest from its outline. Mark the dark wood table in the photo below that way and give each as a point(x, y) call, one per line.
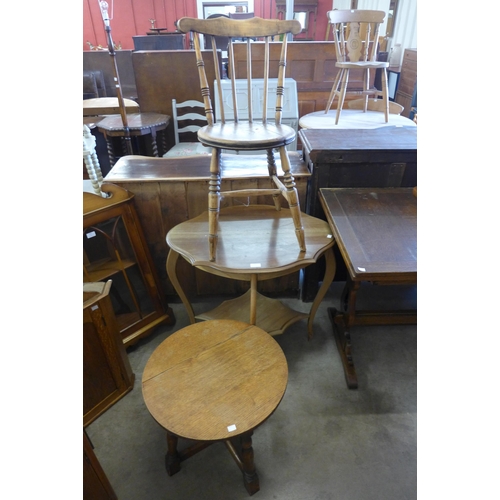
point(376, 232)
point(356, 158)
point(139, 124)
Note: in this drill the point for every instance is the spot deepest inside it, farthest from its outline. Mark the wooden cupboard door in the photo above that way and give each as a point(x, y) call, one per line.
point(98, 380)
point(107, 374)
point(96, 485)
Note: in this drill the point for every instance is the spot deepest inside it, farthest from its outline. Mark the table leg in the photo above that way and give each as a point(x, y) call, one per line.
point(330, 269)
point(172, 258)
point(250, 478)
point(341, 322)
point(172, 458)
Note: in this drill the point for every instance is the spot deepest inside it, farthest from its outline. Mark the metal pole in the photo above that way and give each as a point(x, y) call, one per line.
point(103, 5)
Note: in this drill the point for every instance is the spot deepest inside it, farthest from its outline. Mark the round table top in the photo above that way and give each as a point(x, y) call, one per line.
point(214, 380)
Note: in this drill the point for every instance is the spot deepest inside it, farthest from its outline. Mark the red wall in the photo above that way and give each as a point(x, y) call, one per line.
point(131, 17)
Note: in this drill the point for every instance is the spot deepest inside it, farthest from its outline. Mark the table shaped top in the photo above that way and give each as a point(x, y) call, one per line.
point(254, 239)
point(214, 380)
point(376, 230)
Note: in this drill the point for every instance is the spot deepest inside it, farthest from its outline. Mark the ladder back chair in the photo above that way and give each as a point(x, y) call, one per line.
point(252, 134)
point(186, 124)
point(355, 35)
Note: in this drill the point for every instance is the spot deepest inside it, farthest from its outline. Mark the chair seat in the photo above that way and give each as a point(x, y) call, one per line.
point(362, 65)
point(246, 136)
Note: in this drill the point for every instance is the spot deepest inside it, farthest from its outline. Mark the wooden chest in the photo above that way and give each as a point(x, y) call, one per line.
point(169, 191)
point(382, 157)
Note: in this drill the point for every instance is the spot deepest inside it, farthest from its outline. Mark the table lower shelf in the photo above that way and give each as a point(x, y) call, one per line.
point(273, 316)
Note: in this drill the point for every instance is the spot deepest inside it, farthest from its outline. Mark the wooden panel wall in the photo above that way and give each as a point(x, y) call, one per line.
point(131, 17)
point(163, 75)
point(310, 64)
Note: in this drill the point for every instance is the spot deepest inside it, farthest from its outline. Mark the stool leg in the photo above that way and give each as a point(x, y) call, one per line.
point(111, 151)
point(172, 458)
point(250, 478)
point(153, 142)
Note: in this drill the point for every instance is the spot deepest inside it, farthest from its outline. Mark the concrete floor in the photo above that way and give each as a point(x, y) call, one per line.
point(324, 441)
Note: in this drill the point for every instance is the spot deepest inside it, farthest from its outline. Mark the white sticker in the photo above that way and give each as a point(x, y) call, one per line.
point(231, 428)
point(255, 265)
point(329, 236)
point(91, 234)
point(93, 308)
point(362, 269)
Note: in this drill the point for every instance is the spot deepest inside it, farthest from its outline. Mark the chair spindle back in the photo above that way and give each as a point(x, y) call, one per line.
point(254, 28)
point(355, 33)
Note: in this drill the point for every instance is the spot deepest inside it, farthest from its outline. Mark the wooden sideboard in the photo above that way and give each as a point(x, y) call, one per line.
point(168, 191)
point(100, 60)
point(407, 80)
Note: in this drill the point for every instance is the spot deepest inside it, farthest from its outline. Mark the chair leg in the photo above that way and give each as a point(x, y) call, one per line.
point(271, 167)
point(334, 90)
point(366, 84)
point(385, 94)
point(343, 89)
point(213, 202)
point(292, 198)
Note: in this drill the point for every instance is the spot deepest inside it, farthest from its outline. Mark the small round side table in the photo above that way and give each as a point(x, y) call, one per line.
point(215, 381)
point(139, 124)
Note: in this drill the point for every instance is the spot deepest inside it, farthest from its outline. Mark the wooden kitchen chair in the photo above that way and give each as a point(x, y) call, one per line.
point(356, 35)
point(265, 134)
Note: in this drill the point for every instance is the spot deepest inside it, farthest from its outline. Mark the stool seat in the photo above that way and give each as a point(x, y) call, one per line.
point(214, 381)
point(138, 123)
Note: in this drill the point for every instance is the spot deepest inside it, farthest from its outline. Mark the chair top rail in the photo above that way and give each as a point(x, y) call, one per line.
point(358, 15)
point(240, 28)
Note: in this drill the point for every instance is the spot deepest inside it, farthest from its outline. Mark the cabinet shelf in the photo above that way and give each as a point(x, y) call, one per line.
point(106, 268)
point(114, 247)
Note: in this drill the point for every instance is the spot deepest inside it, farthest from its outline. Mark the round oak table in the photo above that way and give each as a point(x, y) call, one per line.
point(215, 381)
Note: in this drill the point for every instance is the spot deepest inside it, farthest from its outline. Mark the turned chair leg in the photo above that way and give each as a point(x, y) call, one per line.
point(213, 202)
point(292, 198)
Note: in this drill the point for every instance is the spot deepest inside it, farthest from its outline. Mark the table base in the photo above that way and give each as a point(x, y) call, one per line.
point(243, 456)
